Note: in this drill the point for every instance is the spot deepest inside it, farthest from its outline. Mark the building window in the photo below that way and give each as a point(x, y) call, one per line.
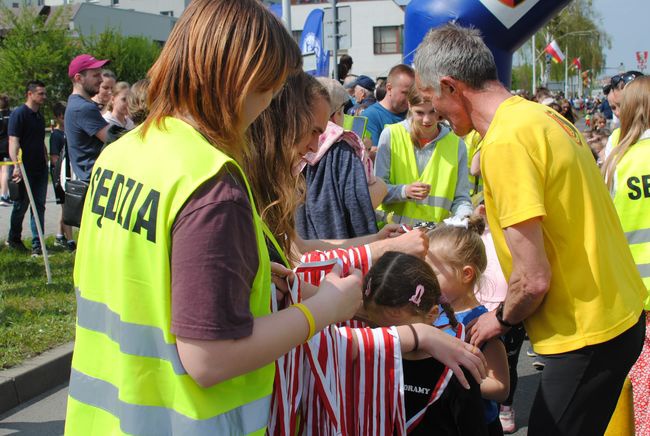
point(388, 39)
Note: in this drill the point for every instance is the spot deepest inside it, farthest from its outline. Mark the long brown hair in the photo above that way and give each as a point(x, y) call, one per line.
point(274, 135)
point(218, 53)
point(635, 119)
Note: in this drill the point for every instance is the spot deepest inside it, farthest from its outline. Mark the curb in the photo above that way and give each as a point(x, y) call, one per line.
point(35, 376)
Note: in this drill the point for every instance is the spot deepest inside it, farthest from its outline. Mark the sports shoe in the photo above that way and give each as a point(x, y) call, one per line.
point(507, 418)
point(37, 252)
point(61, 242)
point(5, 203)
point(71, 245)
point(539, 364)
point(16, 246)
point(530, 352)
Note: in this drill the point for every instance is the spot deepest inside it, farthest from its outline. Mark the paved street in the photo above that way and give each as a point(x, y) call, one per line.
point(45, 415)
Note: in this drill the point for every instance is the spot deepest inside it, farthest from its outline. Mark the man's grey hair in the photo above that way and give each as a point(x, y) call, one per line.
point(459, 52)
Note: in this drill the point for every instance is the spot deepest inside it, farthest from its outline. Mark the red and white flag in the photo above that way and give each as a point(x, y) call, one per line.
point(576, 63)
point(554, 50)
point(642, 59)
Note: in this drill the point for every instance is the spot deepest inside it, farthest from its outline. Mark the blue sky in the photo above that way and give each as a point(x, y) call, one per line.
point(626, 22)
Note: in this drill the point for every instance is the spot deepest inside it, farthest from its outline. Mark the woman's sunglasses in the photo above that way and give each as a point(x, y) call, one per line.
point(616, 80)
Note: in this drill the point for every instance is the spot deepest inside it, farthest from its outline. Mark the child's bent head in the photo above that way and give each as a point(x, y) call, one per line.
point(402, 289)
point(460, 247)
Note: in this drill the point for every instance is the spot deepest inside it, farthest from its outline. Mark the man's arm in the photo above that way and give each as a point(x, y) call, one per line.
point(529, 282)
point(14, 146)
point(101, 135)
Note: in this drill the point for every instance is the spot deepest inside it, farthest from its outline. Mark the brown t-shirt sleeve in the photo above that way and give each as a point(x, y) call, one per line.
point(214, 261)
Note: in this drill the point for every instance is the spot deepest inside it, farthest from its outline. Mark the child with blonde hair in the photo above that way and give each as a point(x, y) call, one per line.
point(457, 256)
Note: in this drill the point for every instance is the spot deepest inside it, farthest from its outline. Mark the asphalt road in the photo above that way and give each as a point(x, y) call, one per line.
point(45, 415)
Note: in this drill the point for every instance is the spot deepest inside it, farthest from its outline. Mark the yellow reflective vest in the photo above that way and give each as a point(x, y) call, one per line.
point(473, 143)
point(615, 136)
point(441, 172)
point(632, 202)
point(127, 377)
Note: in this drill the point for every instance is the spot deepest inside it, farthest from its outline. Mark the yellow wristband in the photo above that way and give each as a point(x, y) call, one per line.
point(310, 318)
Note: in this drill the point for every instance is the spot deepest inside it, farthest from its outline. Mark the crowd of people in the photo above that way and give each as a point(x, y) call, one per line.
point(99, 111)
point(247, 264)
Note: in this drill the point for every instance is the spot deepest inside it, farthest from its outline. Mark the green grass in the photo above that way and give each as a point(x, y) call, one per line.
point(34, 316)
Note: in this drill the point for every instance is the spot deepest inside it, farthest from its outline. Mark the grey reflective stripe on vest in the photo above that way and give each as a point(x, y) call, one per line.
point(135, 339)
point(441, 202)
point(644, 269)
point(398, 219)
point(155, 420)
point(638, 236)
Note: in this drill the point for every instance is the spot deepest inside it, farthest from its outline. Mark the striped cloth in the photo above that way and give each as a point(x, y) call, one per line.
point(344, 380)
point(356, 257)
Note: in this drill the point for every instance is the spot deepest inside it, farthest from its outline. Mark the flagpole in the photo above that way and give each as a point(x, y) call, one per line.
point(534, 67)
point(335, 37)
point(566, 71)
point(286, 14)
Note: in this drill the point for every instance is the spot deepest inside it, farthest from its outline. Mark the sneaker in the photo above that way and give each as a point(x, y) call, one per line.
point(5, 201)
point(507, 418)
point(539, 364)
point(530, 352)
point(37, 252)
point(71, 245)
point(61, 242)
point(16, 245)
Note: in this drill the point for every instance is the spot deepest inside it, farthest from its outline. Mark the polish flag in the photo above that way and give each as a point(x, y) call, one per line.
point(576, 63)
point(554, 50)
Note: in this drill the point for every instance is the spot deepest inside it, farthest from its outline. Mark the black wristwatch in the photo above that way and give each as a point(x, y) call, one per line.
point(499, 316)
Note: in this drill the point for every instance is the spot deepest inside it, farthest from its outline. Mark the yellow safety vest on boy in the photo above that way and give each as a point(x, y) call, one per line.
point(441, 172)
point(632, 201)
point(127, 376)
point(473, 143)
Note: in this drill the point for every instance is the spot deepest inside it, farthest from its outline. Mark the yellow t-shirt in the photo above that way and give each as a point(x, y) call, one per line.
point(536, 164)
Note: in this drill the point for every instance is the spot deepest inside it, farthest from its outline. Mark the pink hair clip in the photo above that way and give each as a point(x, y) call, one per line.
point(367, 292)
point(416, 298)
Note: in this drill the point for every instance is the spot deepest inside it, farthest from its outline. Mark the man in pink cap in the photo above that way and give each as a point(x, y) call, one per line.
point(85, 128)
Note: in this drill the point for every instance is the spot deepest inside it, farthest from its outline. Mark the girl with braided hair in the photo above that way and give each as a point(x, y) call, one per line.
point(401, 289)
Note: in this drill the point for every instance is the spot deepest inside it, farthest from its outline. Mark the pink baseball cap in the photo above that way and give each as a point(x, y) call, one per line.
point(84, 62)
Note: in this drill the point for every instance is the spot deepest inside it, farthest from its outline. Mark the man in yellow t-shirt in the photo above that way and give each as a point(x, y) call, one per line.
point(571, 277)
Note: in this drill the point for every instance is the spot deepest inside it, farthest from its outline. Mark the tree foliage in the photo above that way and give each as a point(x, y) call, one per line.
point(578, 28)
point(131, 56)
point(40, 47)
point(35, 47)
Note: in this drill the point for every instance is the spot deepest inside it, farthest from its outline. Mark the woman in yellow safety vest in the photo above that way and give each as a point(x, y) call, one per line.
point(174, 330)
point(627, 173)
point(424, 165)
